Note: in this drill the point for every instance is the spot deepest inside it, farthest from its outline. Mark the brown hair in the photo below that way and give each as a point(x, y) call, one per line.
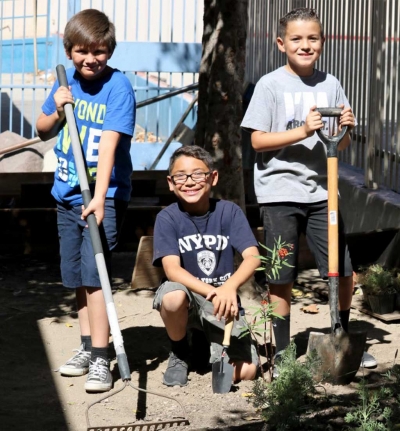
point(192, 151)
point(300, 14)
point(90, 26)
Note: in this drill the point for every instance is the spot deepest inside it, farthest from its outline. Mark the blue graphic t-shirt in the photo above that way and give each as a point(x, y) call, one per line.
point(205, 244)
point(103, 104)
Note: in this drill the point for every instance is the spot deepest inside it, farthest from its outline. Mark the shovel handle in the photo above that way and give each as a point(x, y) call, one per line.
point(331, 142)
point(227, 331)
point(333, 218)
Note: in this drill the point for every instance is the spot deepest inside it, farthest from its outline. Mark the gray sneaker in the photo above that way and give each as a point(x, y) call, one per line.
point(78, 365)
point(176, 373)
point(99, 378)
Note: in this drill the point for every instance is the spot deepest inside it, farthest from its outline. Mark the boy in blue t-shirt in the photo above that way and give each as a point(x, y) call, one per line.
point(195, 241)
point(290, 173)
point(104, 108)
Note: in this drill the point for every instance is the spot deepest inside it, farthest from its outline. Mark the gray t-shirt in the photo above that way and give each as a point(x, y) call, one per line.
point(282, 101)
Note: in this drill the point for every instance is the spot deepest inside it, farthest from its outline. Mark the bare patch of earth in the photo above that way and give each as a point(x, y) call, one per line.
point(39, 330)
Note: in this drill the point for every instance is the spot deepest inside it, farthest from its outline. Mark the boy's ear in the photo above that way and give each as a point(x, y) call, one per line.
point(68, 54)
point(214, 178)
point(170, 184)
point(281, 45)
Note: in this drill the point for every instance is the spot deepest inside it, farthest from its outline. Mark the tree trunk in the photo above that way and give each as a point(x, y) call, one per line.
point(220, 92)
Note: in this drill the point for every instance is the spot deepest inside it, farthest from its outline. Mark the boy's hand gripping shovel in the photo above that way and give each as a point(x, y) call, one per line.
point(339, 353)
point(118, 341)
point(222, 370)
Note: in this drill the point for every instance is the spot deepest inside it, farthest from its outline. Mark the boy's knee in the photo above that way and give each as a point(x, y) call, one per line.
point(175, 301)
point(245, 371)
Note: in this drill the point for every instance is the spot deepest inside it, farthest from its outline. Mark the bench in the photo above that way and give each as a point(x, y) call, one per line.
point(144, 274)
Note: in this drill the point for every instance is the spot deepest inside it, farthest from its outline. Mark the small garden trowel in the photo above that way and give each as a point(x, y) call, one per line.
point(222, 370)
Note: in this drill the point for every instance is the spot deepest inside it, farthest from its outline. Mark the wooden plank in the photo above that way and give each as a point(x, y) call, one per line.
point(359, 304)
point(144, 273)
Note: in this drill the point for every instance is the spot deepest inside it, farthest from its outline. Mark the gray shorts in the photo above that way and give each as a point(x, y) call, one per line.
point(201, 317)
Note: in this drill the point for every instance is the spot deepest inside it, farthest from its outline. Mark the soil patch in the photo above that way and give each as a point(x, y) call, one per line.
point(40, 330)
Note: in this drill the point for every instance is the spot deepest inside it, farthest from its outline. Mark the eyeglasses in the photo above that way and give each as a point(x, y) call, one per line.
point(197, 177)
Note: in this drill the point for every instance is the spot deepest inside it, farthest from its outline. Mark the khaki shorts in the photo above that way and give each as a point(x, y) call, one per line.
point(201, 317)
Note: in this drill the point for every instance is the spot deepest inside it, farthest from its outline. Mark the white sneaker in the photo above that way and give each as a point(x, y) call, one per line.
point(78, 365)
point(368, 361)
point(277, 360)
point(99, 378)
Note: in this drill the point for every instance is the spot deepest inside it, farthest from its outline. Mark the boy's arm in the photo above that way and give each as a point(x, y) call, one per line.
point(108, 144)
point(270, 141)
point(174, 272)
point(224, 298)
point(48, 126)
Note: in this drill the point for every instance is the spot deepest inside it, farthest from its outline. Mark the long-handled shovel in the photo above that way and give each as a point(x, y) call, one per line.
point(222, 371)
point(118, 341)
point(339, 353)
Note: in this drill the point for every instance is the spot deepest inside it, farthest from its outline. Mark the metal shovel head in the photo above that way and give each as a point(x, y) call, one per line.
point(222, 375)
point(339, 355)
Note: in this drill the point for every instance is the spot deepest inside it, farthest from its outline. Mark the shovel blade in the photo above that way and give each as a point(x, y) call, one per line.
point(339, 355)
point(222, 375)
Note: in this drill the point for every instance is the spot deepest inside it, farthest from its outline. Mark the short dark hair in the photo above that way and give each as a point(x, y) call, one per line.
point(192, 151)
point(301, 13)
point(88, 27)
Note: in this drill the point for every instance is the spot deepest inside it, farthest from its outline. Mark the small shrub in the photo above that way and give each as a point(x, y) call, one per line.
point(370, 414)
point(377, 280)
point(283, 400)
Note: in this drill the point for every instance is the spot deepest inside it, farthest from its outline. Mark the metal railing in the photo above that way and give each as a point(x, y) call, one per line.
point(31, 47)
point(362, 51)
point(139, 105)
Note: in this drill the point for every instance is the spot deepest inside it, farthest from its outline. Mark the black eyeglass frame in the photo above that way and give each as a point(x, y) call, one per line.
point(190, 176)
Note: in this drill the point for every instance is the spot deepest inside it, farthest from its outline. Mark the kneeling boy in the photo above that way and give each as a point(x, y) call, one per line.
point(195, 241)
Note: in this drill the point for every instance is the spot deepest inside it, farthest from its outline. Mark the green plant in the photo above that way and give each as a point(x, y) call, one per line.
point(397, 280)
point(275, 258)
point(272, 262)
point(377, 280)
point(371, 415)
point(393, 376)
point(262, 316)
point(283, 401)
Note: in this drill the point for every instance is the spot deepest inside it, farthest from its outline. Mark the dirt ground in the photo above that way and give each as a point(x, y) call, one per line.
point(39, 330)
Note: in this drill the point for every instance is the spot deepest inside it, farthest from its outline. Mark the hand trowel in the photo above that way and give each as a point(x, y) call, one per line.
point(222, 370)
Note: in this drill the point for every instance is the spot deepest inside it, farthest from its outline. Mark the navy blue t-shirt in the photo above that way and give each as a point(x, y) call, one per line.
point(205, 244)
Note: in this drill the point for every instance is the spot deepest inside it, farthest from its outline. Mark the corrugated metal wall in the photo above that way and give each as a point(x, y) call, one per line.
point(362, 51)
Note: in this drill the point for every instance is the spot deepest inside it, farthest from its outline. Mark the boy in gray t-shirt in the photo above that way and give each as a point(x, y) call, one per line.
point(290, 173)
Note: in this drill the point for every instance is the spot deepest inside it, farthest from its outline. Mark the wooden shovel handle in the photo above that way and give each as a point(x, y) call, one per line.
point(333, 218)
point(227, 331)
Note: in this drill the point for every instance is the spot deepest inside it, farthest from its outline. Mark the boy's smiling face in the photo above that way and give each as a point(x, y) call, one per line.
point(90, 61)
point(302, 44)
point(193, 193)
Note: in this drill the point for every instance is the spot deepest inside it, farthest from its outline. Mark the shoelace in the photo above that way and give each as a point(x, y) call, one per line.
point(177, 361)
point(80, 357)
point(98, 370)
